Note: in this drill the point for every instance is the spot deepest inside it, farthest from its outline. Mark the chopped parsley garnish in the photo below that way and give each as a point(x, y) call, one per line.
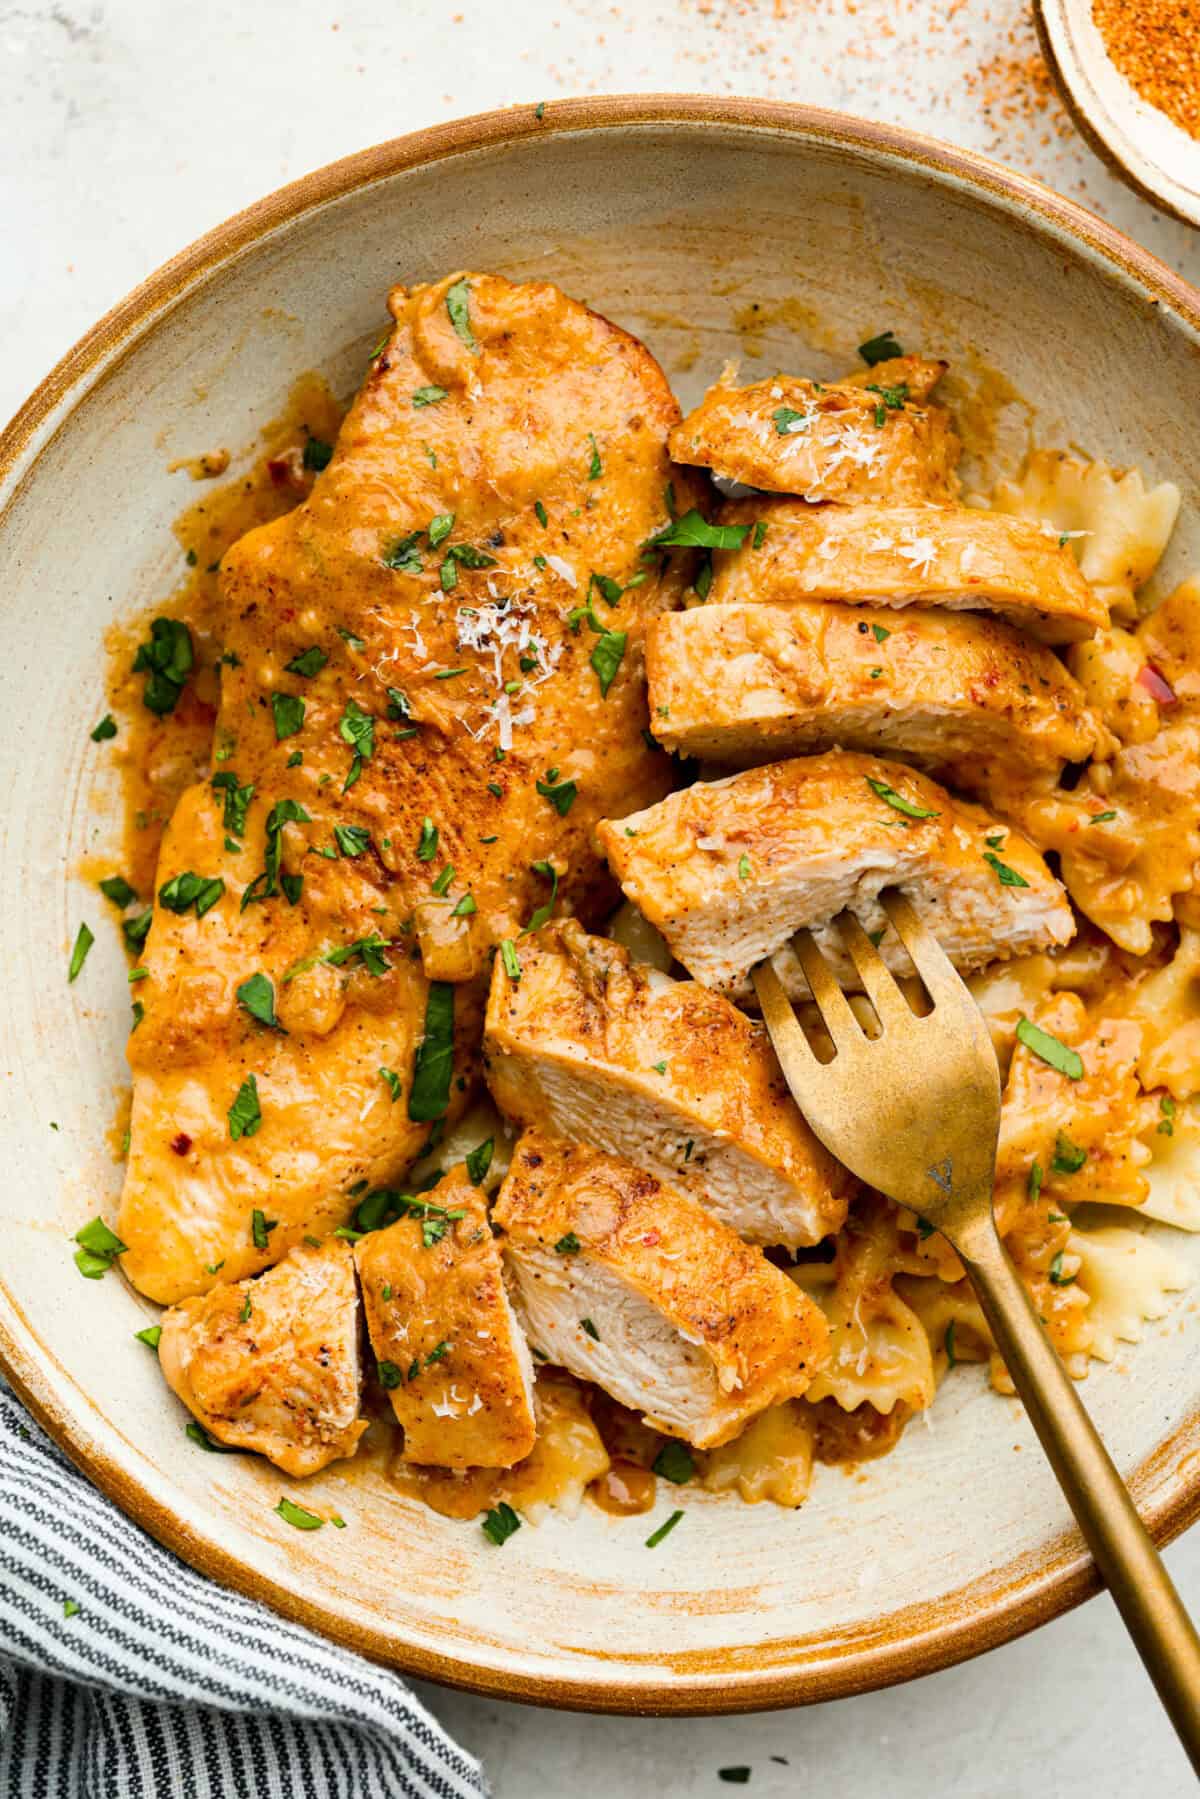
point(260, 1228)
point(561, 794)
point(317, 454)
point(390, 1374)
point(398, 704)
point(439, 1351)
point(693, 532)
point(236, 800)
point(288, 710)
point(606, 658)
point(664, 1530)
point(403, 555)
point(897, 800)
point(298, 1515)
point(1101, 818)
point(568, 1245)
point(788, 422)
point(948, 1344)
point(463, 555)
point(352, 840)
point(1167, 1108)
point(98, 1249)
point(465, 907)
point(430, 1092)
point(540, 510)
point(196, 1433)
point(308, 663)
point(892, 398)
point(79, 953)
point(1069, 1158)
point(428, 842)
point(704, 576)
point(674, 1462)
point(595, 466)
point(458, 307)
point(589, 1329)
point(880, 633)
point(737, 1775)
point(188, 889)
point(1008, 877)
point(257, 994)
point(1057, 1277)
point(136, 929)
point(1036, 1177)
point(149, 1336)
point(510, 959)
point(441, 882)
point(479, 1161)
point(395, 1085)
point(244, 1314)
point(500, 1523)
point(369, 950)
point(440, 528)
point(245, 1115)
point(542, 914)
point(167, 658)
point(743, 868)
point(105, 729)
point(428, 396)
point(883, 348)
point(1057, 1055)
point(760, 535)
point(610, 590)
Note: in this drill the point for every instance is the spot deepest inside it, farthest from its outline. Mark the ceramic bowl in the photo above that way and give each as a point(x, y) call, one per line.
point(1137, 141)
point(710, 228)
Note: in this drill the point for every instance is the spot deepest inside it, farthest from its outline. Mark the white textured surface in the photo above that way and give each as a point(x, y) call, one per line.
point(132, 126)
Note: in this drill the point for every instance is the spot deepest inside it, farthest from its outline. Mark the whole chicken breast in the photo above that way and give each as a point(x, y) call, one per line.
point(842, 441)
point(636, 1287)
point(960, 694)
point(272, 1364)
point(729, 870)
point(903, 555)
point(408, 724)
point(587, 1044)
point(448, 1349)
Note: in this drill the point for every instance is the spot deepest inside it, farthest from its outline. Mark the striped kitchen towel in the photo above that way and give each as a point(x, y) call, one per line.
point(125, 1675)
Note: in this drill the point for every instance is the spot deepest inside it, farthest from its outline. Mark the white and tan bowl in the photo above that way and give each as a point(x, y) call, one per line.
point(710, 228)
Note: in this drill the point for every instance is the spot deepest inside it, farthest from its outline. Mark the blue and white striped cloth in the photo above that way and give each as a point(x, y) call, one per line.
point(164, 1686)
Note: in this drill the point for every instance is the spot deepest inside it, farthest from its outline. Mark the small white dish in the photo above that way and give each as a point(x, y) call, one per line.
point(1137, 141)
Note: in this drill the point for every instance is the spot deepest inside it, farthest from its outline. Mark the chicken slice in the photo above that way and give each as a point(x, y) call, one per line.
point(272, 1364)
point(587, 1044)
point(956, 693)
point(408, 723)
point(904, 555)
point(447, 1346)
point(729, 870)
point(632, 1285)
point(826, 441)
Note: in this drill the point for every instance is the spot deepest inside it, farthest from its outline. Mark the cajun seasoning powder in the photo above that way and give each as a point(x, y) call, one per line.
point(1156, 46)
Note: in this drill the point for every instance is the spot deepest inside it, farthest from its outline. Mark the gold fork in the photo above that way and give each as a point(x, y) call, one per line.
point(915, 1112)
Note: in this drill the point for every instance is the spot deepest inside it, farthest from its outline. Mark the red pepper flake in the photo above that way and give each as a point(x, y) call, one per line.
point(181, 1144)
point(1156, 686)
point(652, 1239)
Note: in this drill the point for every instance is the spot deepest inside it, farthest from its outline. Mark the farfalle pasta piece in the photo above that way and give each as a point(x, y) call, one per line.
point(1120, 527)
point(1174, 1171)
point(1167, 1004)
point(771, 1459)
point(1127, 1277)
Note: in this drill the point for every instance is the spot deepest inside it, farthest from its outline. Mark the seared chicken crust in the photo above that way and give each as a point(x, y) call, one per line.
point(960, 694)
point(826, 441)
point(447, 1347)
point(587, 1044)
point(409, 722)
point(636, 1287)
point(272, 1364)
point(729, 870)
point(903, 555)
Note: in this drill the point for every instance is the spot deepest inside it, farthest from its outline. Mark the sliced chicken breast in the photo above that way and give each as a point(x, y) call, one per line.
point(272, 1364)
point(957, 694)
point(447, 1347)
point(904, 555)
point(634, 1286)
point(587, 1044)
point(729, 870)
point(839, 441)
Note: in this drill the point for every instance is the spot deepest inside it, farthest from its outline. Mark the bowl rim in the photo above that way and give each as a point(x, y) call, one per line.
point(992, 1609)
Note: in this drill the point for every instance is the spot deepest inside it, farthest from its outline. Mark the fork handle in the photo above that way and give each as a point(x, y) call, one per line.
point(1134, 1572)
